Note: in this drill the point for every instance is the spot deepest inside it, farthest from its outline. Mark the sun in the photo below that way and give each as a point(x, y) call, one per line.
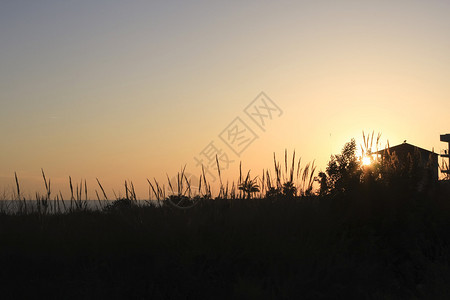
point(366, 160)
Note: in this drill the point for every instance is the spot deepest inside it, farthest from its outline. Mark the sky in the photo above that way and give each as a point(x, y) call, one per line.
point(130, 90)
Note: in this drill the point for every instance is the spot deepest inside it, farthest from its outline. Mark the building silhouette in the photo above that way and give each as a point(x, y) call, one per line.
point(445, 168)
point(425, 162)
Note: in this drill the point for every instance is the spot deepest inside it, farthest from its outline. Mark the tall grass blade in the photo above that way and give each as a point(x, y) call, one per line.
point(17, 186)
point(101, 187)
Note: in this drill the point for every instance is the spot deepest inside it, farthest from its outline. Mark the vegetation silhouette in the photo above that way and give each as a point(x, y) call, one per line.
point(368, 232)
point(346, 172)
point(343, 171)
point(249, 186)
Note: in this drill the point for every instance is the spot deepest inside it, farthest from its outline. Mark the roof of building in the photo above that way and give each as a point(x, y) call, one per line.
point(405, 148)
point(445, 137)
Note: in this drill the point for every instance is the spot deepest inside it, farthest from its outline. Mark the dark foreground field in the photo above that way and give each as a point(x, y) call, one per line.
point(360, 245)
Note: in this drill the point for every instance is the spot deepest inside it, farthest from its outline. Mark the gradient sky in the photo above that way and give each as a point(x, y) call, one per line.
point(129, 90)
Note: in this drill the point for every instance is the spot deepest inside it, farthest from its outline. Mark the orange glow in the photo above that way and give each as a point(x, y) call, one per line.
point(366, 160)
point(135, 100)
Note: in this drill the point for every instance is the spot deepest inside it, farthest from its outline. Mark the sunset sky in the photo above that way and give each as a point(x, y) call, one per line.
point(129, 90)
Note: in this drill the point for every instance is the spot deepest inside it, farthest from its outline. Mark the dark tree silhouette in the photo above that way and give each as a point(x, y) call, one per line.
point(343, 171)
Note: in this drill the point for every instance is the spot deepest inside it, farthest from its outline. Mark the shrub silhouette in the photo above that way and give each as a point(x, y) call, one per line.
point(273, 193)
point(343, 171)
point(289, 189)
point(120, 205)
point(249, 186)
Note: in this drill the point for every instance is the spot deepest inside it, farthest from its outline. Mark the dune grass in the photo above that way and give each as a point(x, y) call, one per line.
point(268, 236)
point(292, 180)
point(364, 245)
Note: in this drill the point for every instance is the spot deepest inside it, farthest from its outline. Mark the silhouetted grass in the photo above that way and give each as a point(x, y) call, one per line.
point(367, 244)
point(373, 242)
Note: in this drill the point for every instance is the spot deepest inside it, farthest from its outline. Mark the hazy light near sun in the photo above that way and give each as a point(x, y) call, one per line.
point(366, 160)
